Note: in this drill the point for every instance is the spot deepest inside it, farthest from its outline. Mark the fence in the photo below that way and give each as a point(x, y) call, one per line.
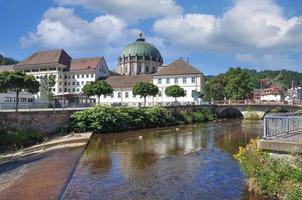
point(282, 124)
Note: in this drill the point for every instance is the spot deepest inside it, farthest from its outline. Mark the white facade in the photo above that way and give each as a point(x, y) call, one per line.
point(272, 97)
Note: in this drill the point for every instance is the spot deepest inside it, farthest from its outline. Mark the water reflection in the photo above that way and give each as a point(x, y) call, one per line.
point(186, 162)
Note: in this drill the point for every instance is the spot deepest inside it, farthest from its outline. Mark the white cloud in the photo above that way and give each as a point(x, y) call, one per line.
point(129, 10)
point(270, 61)
point(62, 28)
point(248, 26)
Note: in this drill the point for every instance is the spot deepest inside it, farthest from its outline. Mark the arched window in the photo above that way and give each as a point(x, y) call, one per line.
point(139, 69)
point(147, 69)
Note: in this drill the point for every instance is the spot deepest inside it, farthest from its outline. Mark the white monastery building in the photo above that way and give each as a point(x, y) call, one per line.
point(139, 62)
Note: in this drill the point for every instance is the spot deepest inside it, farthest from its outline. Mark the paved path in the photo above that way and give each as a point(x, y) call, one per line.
point(41, 172)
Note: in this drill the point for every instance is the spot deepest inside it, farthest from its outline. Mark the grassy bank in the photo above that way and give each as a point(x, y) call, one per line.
point(11, 140)
point(102, 119)
point(276, 178)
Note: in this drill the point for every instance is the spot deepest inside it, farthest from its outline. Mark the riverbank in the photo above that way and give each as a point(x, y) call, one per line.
point(274, 177)
point(41, 171)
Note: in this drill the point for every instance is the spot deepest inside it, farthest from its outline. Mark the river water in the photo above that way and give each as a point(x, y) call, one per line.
point(183, 162)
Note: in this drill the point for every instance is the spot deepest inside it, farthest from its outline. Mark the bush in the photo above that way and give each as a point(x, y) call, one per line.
point(202, 115)
point(13, 140)
point(271, 176)
point(251, 115)
point(102, 119)
point(183, 117)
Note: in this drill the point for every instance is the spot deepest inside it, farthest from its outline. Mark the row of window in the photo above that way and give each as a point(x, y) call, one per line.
point(78, 76)
point(176, 80)
point(126, 94)
point(13, 99)
point(75, 83)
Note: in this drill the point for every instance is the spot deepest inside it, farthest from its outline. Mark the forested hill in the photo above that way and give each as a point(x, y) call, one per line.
point(7, 61)
point(282, 78)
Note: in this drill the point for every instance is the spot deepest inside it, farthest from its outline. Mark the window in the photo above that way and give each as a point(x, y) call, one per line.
point(65, 77)
point(60, 76)
point(126, 95)
point(54, 89)
point(30, 100)
point(159, 94)
point(82, 82)
point(82, 75)
point(65, 90)
point(73, 76)
point(112, 95)
point(78, 89)
point(78, 76)
point(68, 83)
point(91, 75)
point(185, 93)
point(73, 89)
point(68, 90)
point(139, 69)
point(147, 69)
point(87, 75)
point(78, 83)
point(73, 83)
point(176, 80)
point(23, 99)
point(119, 94)
point(159, 81)
point(184, 80)
point(7, 99)
point(68, 77)
point(60, 89)
point(193, 80)
point(168, 81)
point(193, 92)
point(65, 83)
point(60, 83)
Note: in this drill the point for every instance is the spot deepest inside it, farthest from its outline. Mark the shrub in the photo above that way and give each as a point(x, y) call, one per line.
point(202, 115)
point(13, 140)
point(183, 116)
point(251, 115)
point(271, 176)
point(102, 119)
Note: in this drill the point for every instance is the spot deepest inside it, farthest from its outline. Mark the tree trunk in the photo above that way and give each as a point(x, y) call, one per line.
point(144, 101)
point(17, 100)
point(99, 99)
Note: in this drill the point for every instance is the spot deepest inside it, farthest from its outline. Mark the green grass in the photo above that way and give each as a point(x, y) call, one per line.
point(273, 177)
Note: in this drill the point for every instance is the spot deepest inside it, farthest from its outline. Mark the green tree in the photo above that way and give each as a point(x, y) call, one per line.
point(144, 89)
point(238, 84)
point(215, 88)
point(17, 81)
point(97, 88)
point(175, 91)
point(47, 82)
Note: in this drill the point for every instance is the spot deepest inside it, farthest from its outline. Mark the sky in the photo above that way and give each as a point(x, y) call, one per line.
point(212, 35)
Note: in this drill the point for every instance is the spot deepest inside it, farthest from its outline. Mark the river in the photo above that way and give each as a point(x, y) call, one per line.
point(183, 162)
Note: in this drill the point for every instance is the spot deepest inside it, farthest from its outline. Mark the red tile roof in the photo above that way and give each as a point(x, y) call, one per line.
point(85, 63)
point(127, 81)
point(272, 90)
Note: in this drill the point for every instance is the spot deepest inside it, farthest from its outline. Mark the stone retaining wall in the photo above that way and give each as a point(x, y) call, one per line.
point(44, 121)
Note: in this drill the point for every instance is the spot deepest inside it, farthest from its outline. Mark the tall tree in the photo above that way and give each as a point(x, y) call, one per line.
point(175, 91)
point(215, 88)
point(145, 89)
point(47, 83)
point(17, 81)
point(97, 88)
point(7, 61)
point(238, 84)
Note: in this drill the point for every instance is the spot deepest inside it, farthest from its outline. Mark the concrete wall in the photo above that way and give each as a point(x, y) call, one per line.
point(44, 121)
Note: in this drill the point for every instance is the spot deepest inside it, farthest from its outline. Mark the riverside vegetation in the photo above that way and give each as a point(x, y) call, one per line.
point(102, 119)
point(275, 178)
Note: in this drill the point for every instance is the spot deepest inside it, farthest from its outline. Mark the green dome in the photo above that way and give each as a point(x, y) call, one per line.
point(141, 48)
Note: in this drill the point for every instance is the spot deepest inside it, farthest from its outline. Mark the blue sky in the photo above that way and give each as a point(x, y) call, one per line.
point(213, 34)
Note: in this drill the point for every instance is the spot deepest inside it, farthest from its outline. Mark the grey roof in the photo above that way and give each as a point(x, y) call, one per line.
point(58, 56)
point(6, 68)
point(127, 81)
point(178, 67)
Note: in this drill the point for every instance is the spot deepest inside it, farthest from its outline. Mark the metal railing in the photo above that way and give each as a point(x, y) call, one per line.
point(282, 124)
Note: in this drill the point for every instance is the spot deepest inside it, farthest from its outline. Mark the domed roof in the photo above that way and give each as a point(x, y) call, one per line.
point(141, 48)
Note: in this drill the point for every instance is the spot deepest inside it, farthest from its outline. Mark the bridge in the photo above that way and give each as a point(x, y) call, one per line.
point(260, 109)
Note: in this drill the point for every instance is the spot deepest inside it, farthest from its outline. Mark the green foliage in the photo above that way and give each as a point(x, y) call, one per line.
point(271, 176)
point(97, 88)
point(102, 119)
point(183, 116)
point(238, 84)
point(17, 81)
point(144, 89)
point(13, 140)
point(203, 115)
point(47, 82)
point(175, 91)
point(7, 61)
point(215, 88)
